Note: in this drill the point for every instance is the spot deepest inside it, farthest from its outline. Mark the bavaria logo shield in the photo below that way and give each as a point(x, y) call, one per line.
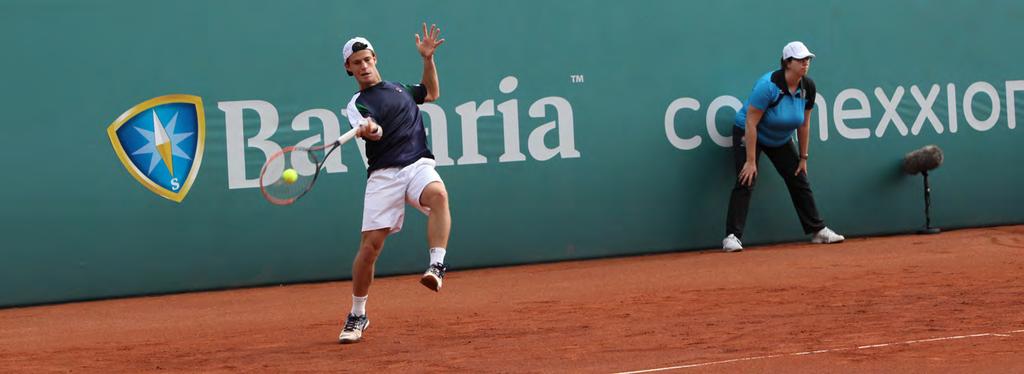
point(160, 143)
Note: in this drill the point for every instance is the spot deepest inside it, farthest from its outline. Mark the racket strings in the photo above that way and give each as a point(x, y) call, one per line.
point(290, 173)
point(280, 190)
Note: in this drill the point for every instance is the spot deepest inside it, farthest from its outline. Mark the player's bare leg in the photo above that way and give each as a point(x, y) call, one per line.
point(362, 276)
point(363, 266)
point(439, 224)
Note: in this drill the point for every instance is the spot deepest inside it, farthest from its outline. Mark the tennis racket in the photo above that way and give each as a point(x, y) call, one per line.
point(303, 163)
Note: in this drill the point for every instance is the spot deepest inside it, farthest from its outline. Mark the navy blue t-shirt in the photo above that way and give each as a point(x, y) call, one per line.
point(779, 122)
point(394, 107)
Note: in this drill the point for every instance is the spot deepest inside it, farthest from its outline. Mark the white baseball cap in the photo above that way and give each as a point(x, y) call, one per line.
point(347, 51)
point(796, 50)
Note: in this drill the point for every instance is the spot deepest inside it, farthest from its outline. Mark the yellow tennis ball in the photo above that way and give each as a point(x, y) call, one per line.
point(290, 176)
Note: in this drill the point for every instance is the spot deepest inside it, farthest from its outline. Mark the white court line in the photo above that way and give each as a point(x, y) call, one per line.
point(820, 351)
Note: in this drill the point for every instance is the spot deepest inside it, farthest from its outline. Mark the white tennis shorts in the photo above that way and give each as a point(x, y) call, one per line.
point(389, 189)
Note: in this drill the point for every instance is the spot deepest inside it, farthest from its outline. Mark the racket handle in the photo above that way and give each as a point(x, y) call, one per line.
point(344, 138)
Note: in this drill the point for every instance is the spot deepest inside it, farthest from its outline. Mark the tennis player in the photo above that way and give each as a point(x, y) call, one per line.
point(401, 168)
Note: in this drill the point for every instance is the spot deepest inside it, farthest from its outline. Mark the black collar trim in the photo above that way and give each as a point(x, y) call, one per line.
point(779, 78)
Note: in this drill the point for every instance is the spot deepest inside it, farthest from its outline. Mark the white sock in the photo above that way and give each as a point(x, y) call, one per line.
point(359, 305)
point(436, 255)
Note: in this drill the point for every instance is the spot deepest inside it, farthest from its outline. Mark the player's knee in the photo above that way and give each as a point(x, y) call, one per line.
point(435, 199)
point(440, 199)
point(371, 245)
point(371, 249)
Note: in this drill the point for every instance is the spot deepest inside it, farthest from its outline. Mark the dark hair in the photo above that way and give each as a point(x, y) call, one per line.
point(356, 47)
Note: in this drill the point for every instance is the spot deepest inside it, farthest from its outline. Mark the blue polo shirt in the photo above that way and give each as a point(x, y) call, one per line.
point(394, 107)
point(780, 121)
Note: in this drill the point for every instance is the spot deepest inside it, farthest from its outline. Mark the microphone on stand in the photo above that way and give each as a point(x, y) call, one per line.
point(921, 161)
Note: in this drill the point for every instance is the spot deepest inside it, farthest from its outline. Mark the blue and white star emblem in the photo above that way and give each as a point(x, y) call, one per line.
point(160, 143)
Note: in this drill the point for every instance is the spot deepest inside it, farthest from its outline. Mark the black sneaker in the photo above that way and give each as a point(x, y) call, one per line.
point(354, 327)
point(433, 276)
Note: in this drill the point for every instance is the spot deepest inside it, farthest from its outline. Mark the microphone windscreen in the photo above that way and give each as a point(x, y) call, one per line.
point(924, 159)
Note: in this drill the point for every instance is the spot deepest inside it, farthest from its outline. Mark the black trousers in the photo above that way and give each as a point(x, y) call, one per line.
point(785, 159)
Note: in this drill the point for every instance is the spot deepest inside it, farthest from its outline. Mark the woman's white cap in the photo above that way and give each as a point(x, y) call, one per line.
point(796, 50)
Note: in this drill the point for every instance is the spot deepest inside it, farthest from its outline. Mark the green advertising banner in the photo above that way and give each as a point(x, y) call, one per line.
point(134, 132)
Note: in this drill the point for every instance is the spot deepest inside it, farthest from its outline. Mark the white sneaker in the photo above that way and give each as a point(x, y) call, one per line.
point(827, 236)
point(354, 327)
point(731, 244)
point(434, 276)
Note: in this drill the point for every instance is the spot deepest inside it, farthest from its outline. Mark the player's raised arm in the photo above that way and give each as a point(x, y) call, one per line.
point(426, 46)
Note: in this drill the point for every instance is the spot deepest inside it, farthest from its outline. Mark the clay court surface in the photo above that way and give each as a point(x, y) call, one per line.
point(952, 302)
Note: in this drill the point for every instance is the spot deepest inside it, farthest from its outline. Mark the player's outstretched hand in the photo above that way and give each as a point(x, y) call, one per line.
point(430, 41)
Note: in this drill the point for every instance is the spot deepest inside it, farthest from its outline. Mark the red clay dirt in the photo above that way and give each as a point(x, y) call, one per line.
point(610, 315)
